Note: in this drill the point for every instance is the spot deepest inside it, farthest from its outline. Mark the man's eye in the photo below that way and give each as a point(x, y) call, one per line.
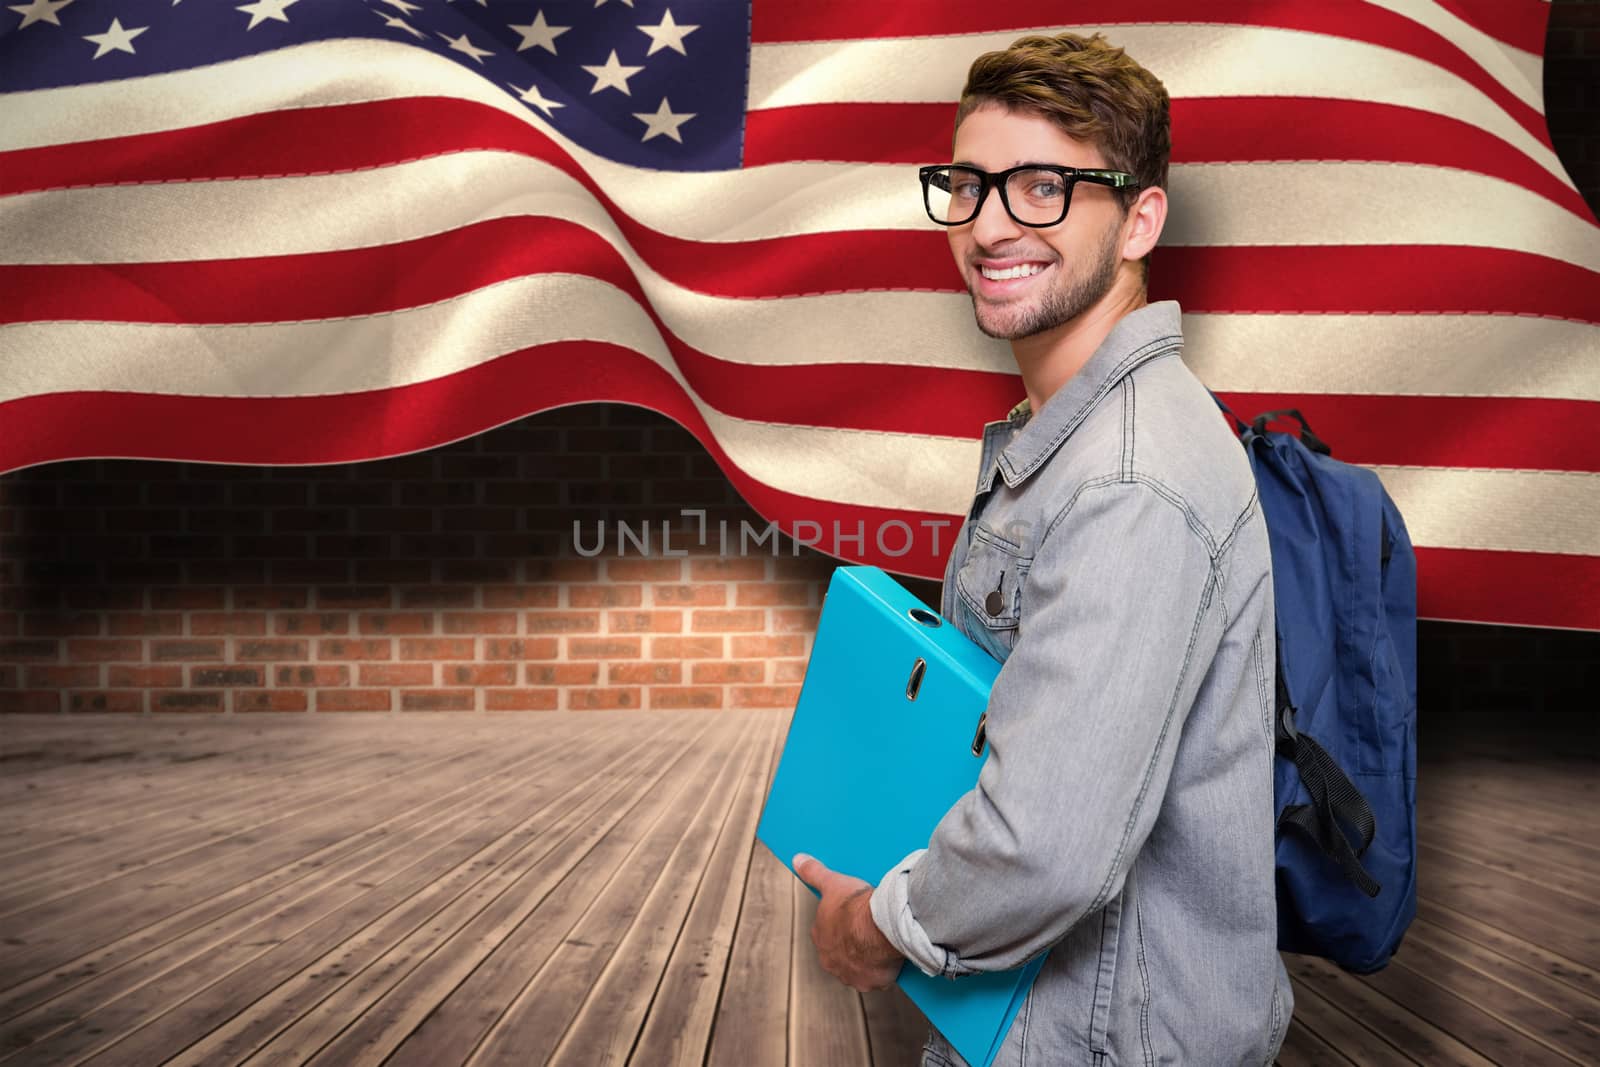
point(1046, 190)
point(967, 190)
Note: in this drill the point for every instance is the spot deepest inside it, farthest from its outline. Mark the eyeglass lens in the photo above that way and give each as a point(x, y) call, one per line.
point(1035, 197)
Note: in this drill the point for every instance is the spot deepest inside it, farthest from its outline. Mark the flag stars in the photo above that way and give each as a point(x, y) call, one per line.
point(39, 11)
point(467, 48)
point(662, 122)
point(666, 34)
point(532, 96)
point(395, 23)
point(539, 33)
point(116, 39)
point(262, 10)
point(612, 75)
point(405, 7)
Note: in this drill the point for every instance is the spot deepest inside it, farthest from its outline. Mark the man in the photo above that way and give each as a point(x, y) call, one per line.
point(1115, 558)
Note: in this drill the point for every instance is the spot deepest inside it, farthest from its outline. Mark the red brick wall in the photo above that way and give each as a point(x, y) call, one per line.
point(449, 581)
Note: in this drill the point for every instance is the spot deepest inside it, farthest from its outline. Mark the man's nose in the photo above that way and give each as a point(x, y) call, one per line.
point(994, 224)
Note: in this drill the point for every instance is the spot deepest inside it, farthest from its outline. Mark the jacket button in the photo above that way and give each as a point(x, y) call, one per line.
point(994, 603)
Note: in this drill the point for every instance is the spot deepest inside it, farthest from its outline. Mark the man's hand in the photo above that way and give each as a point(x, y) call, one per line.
point(849, 943)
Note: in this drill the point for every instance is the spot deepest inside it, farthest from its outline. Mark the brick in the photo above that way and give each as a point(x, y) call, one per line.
point(93, 701)
point(734, 569)
point(789, 670)
point(247, 624)
point(769, 594)
point(700, 646)
point(143, 677)
point(644, 673)
point(270, 598)
point(8, 676)
point(764, 696)
point(521, 647)
point(245, 700)
point(104, 649)
point(522, 494)
point(764, 647)
point(358, 494)
point(185, 547)
point(395, 520)
point(711, 621)
point(394, 571)
point(520, 699)
point(355, 648)
point(690, 595)
point(353, 699)
point(131, 624)
point(561, 571)
point(15, 649)
point(189, 598)
point(597, 699)
point(795, 620)
point(61, 676)
point(395, 622)
point(104, 598)
point(271, 650)
point(167, 651)
point(30, 701)
point(603, 647)
point(208, 677)
point(644, 570)
point(722, 673)
point(373, 674)
point(480, 674)
point(479, 622)
point(436, 648)
point(185, 700)
point(10, 624)
point(351, 597)
point(561, 673)
point(610, 595)
point(644, 621)
point(310, 677)
point(685, 696)
point(82, 624)
point(439, 596)
point(324, 622)
point(563, 622)
point(438, 699)
point(524, 596)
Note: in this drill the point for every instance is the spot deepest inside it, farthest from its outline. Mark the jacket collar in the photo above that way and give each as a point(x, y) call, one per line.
point(1152, 331)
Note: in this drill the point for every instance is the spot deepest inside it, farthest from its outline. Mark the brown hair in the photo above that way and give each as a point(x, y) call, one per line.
point(1089, 88)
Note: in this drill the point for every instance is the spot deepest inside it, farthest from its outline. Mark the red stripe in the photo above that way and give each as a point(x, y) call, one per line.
point(1205, 130)
point(782, 21)
point(1511, 588)
point(1519, 23)
point(1499, 587)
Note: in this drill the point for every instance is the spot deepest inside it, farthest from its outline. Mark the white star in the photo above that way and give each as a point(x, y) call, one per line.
point(601, 3)
point(39, 11)
point(532, 95)
point(612, 76)
point(467, 48)
point(481, 3)
point(662, 122)
point(541, 33)
point(262, 10)
point(115, 39)
point(405, 7)
point(667, 34)
point(400, 24)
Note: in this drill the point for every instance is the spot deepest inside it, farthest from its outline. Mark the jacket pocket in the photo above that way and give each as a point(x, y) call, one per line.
point(989, 584)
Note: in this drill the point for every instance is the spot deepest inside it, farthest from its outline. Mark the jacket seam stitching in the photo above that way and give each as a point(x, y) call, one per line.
point(1144, 980)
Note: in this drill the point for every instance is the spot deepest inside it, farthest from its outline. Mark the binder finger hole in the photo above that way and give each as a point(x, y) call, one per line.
point(926, 617)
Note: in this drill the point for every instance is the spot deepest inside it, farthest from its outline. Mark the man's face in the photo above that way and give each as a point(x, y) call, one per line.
point(1066, 268)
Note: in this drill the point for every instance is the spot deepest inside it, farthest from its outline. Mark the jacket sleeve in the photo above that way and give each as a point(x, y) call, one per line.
point(1120, 619)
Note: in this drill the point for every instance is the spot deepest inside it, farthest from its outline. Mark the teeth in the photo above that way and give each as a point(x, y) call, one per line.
point(1022, 271)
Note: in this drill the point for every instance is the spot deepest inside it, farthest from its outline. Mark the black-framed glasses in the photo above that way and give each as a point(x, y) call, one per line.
point(1034, 194)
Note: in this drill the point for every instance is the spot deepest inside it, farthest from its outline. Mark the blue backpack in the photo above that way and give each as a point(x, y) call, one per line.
point(1345, 777)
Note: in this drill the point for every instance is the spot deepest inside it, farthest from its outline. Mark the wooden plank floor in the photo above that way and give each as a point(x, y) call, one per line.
point(584, 889)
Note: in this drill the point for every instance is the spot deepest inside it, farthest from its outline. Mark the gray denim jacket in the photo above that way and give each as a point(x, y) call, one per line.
point(1115, 558)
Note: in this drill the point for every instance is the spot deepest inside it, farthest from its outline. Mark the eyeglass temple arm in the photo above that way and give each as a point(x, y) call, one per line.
point(1114, 178)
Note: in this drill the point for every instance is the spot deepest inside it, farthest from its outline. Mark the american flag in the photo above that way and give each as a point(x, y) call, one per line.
point(320, 231)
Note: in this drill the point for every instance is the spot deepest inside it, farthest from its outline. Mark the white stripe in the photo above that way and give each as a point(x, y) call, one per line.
point(1191, 61)
point(341, 356)
point(1400, 355)
point(1498, 510)
point(1213, 204)
point(1522, 73)
point(1452, 508)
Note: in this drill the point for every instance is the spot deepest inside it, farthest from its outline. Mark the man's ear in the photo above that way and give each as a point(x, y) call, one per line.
point(1146, 217)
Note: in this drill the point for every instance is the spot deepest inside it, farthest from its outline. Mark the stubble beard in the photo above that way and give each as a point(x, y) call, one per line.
point(1060, 304)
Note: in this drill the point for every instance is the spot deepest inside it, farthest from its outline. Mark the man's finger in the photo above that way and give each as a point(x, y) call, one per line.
point(811, 870)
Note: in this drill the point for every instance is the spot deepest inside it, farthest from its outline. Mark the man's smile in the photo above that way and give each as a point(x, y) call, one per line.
point(999, 277)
